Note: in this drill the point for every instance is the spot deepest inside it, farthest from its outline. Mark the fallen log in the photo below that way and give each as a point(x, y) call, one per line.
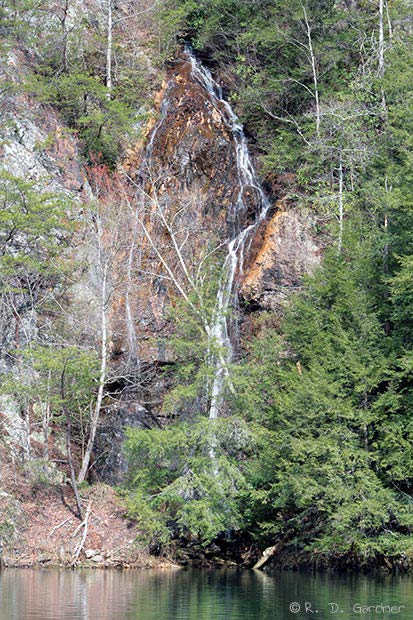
point(267, 554)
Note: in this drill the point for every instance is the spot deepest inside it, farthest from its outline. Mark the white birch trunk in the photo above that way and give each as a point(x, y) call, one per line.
point(109, 44)
point(381, 39)
point(340, 199)
point(381, 65)
point(46, 416)
point(314, 71)
point(94, 420)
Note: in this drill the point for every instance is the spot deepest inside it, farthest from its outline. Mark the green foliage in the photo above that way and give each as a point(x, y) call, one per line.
point(332, 390)
point(264, 52)
point(316, 450)
point(46, 379)
point(33, 230)
point(333, 387)
point(333, 476)
point(11, 521)
point(100, 118)
point(54, 380)
point(67, 52)
point(66, 376)
point(323, 465)
point(187, 480)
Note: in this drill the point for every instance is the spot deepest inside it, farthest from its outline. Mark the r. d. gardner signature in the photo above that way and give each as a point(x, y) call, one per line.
point(334, 608)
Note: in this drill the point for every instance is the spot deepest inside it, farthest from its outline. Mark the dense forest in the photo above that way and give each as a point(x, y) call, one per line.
point(286, 425)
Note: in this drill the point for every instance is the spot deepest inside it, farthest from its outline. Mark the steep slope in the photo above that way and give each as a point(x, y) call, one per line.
point(169, 208)
point(184, 191)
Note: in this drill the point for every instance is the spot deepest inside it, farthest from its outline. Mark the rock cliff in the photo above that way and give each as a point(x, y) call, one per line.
point(176, 188)
point(187, 166)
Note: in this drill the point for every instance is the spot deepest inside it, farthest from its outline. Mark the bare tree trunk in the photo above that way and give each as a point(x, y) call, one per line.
point(102, 379)
point(340, 198)
point(381, 39)
point(46, 415)
point(45, 429)
point(68, 446)
point(25, 428)
point(23, 410)
point(65, 34)
point(109, 45)
point(314, 70)
point(85, 525)
point(381, 66)
point(389, 25)
point(73, 483)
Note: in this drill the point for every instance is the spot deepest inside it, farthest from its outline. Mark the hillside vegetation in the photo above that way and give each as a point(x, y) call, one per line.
point(313, 451)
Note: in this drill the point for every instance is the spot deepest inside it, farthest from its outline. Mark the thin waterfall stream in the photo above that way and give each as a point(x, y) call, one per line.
point(242, 239)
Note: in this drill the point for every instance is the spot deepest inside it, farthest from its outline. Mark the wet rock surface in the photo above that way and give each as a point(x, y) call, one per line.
point(189, 165)
point(284, 250)
point(186, 169)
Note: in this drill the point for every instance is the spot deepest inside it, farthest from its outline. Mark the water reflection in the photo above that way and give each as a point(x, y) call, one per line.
point(196, 595)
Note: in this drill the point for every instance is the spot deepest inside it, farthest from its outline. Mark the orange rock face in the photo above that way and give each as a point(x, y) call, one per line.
point(186, 187)
point(187, 183)
point(284, 250)
point(191, 149)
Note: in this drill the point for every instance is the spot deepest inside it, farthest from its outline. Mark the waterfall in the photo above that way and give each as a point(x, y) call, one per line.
point(240, 237)
point(241, 241)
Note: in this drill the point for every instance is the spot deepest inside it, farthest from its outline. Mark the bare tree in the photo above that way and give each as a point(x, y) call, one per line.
point(380, 60)
point(111, 23)
point(109, 45)
point(314, 70)
point(46, 413)
point(186, 272)
point(345, 149)
point(380, 68)
point(73, 482)
point(105, 235)
point(104, 263)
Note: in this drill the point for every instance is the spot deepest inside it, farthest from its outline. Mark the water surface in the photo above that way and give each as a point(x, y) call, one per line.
point(198, 595)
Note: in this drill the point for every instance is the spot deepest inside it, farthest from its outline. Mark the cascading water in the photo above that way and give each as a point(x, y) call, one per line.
point(241, 238)
point(241, 241)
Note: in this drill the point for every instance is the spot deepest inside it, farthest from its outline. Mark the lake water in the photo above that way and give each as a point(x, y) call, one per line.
point(199, 595)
